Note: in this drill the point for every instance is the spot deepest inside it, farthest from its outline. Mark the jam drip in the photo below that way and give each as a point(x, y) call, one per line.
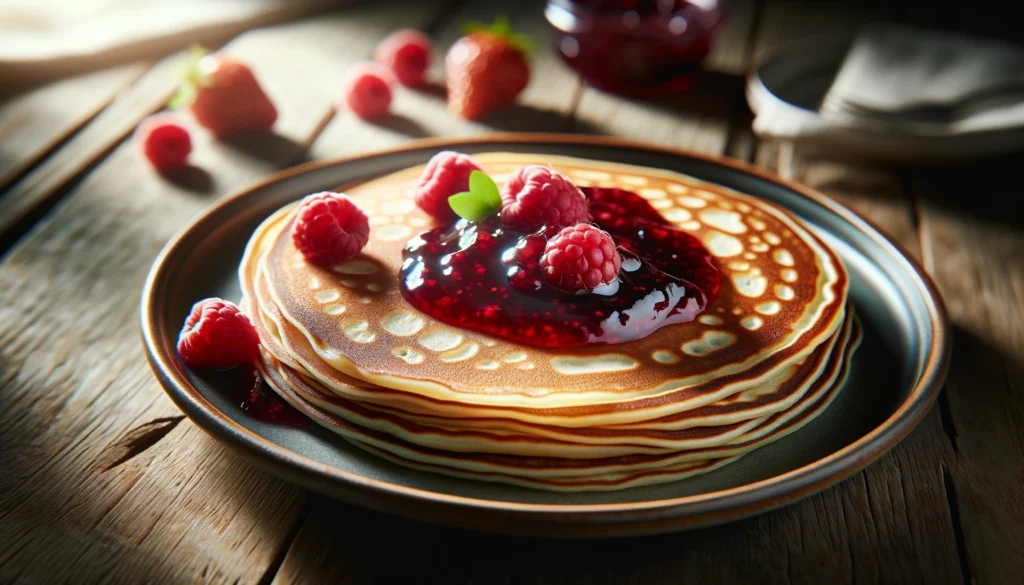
point(484, 277)
point(261, 403)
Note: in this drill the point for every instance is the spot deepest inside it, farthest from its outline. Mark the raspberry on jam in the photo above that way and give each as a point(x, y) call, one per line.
point(581, 257)
point(489, 278)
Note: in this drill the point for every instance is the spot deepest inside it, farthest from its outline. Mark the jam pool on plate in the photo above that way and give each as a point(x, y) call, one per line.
point(484, 277)
point(260, 402)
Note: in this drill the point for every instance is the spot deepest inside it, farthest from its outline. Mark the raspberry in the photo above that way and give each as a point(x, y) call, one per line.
point(580, 257)
point(217, 335)
point(446, 174)
point(535, 196)
point(163, 141)
point(330, 228)
point(407, 54)
point(367, 91)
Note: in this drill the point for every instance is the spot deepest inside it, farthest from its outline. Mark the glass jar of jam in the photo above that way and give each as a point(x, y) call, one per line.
point(642, 48)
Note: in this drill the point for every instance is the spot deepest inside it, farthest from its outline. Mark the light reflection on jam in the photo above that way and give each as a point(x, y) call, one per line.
point(485, 278)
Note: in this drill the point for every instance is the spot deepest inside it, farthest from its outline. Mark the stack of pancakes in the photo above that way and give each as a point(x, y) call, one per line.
point(343, 346)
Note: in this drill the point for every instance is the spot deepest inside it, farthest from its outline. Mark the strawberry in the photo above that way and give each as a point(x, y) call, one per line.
point(486, 69)
point(224, 95)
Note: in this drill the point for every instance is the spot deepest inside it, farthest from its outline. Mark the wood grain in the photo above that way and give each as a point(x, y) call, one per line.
point(974, 251)
point(50, 180)
point(106, 481)
point(33, 122)
point(103, 479)
point(972, 246)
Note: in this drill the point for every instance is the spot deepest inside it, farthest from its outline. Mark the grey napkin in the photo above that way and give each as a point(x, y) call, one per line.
point(897, 92)
point(924, 76)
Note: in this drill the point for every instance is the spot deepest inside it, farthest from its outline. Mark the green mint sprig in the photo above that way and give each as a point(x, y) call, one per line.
point(482, 199)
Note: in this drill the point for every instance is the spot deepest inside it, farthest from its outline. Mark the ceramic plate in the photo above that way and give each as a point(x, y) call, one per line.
point(894, 381)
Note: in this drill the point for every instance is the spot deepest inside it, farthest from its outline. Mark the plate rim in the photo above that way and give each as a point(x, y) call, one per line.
point(644, 517)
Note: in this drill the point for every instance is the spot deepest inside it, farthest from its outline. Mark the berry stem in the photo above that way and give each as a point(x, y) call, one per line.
point(191, 79)
point(501, 27)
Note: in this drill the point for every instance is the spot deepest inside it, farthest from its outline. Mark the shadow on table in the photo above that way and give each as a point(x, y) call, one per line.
point(339, 542)
point(522, 118)
point(401, 124)
point(714, 94)
point(985, 374)
point(191, 178)
point(987, 189)
point(269, 147)
point(433, 89)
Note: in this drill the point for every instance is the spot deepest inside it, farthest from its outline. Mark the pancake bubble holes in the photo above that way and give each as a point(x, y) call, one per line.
point(592, 364)
point(710, 342)
point(726, 221)
point(722, 245)
point(783, 257)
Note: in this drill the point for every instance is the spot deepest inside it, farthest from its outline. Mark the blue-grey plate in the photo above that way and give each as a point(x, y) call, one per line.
point(895, 377)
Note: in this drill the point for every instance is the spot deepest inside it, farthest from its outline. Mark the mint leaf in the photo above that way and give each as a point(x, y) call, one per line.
point(469, 206)
point(482, 199)
point(485, 188)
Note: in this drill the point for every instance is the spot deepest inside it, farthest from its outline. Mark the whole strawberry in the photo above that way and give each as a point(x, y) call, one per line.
point(486, 69)
point(224, 96)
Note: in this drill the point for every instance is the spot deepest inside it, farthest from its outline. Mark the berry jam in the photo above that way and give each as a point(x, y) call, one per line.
point(484, 277)
point(636, 47)
point(262, 403)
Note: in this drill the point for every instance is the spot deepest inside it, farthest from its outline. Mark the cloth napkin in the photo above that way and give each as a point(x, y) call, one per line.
point(52, 38)
point(890, 72)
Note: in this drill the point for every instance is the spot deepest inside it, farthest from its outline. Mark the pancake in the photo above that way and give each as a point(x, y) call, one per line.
point(562, 474)
point(535, 440)
point(790, 295)
point(344, 346)
point(671, 434)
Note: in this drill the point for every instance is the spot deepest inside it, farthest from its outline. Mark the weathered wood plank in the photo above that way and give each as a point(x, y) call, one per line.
point(103, 479)
point(35, 121)
point(972, 246)
point(973, 249)
point(50, 180)
point(544, 106)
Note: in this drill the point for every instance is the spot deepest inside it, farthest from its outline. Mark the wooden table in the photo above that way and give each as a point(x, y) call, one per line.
point(103, 480)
